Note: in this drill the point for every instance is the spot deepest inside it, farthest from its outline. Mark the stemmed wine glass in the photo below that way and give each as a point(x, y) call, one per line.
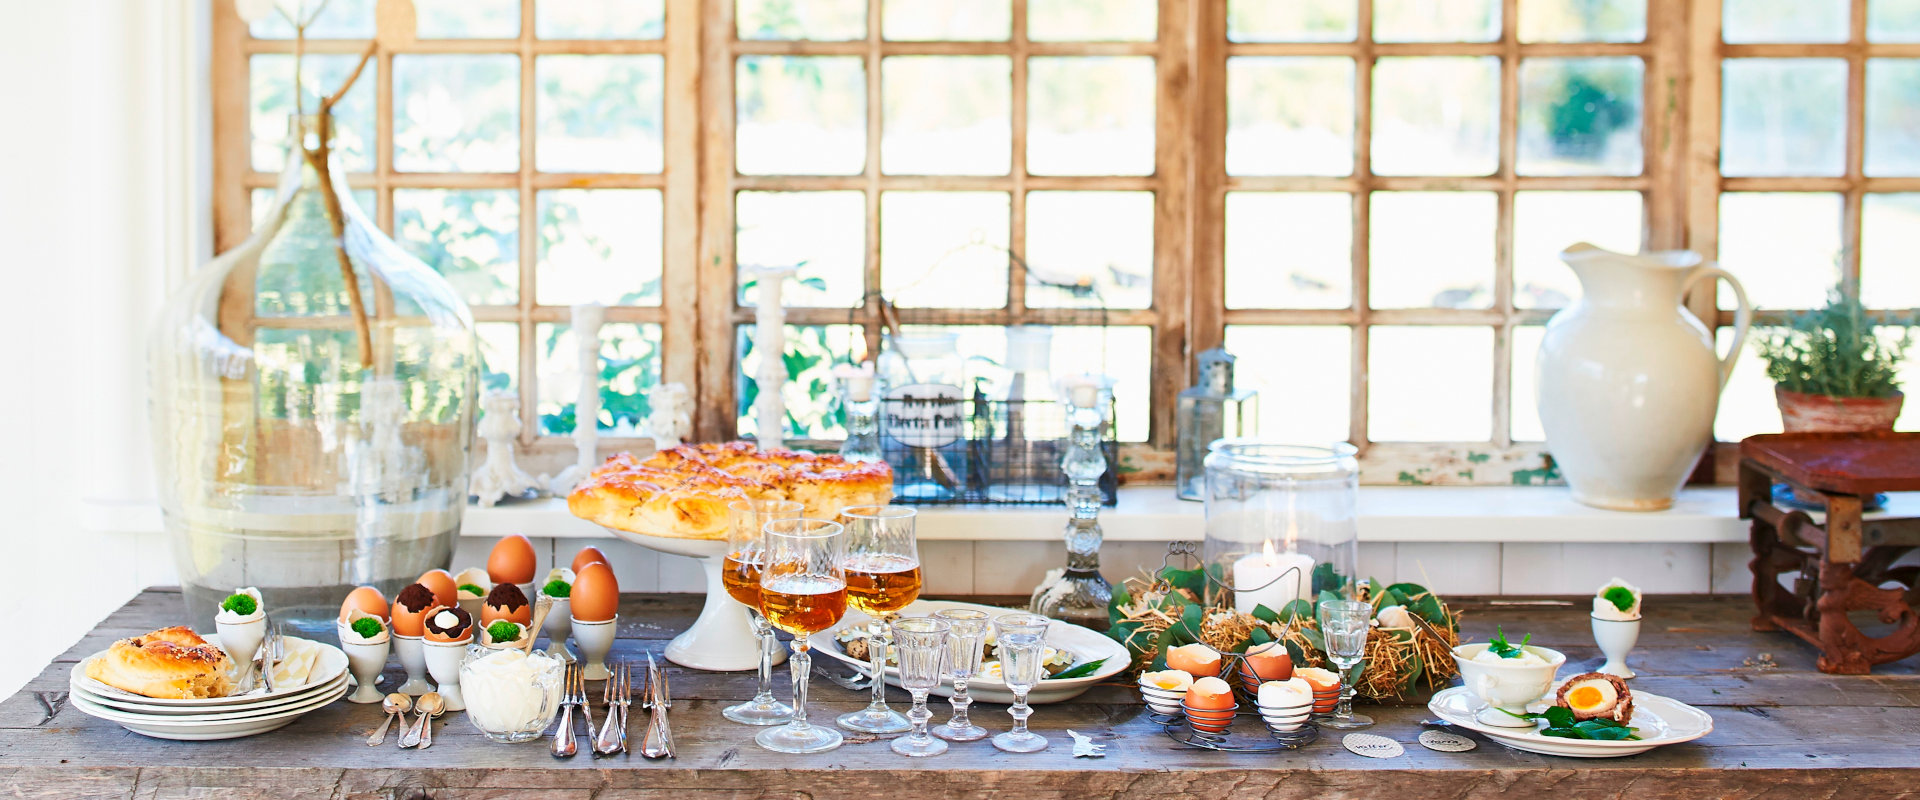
point(803, 590)
point(1344, 625)
point(966, 638)
point(922, 645)
point(746, 551)
point(883, 577)
point(1020, 639)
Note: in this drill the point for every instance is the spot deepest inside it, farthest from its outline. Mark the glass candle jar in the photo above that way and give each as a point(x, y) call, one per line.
point(1280, 523)
point(512, 695)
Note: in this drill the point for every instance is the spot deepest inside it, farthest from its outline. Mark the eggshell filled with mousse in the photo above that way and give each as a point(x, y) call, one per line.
point(588, 555)
point(1270, 662)
point(364, 599)
point(410, 609)
point(512, 560)
point(445, 591)
point(506, 602)
point(448, 625)
point(596, 594)
point(1195, 659)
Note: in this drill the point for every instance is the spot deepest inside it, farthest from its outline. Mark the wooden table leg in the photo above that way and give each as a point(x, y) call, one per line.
point(1756, 486)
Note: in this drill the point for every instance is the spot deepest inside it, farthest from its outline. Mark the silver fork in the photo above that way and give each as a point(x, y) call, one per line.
point(564, 745)
point(272, 651)
point(624, 700)
point(605, 742)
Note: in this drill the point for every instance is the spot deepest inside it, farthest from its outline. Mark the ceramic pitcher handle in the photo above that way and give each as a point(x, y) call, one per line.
point(1742, 316)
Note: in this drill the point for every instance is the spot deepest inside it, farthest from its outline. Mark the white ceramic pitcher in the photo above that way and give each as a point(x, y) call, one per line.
point(1629, 380)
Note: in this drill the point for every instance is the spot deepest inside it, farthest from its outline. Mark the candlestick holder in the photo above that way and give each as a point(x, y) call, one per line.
point(1280, 524)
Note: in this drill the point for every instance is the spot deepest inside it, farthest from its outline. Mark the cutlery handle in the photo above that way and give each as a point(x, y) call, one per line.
point(655, 745)
point(564, 745)
point(411, 737)
point(379, 735)
point(426, 733)
point(607, 742)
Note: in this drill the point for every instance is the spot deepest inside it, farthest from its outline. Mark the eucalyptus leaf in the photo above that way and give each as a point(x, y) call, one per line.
point(1265, 614)
point(1297, 610)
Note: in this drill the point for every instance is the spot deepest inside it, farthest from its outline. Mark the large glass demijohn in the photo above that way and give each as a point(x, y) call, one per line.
point(312, 400)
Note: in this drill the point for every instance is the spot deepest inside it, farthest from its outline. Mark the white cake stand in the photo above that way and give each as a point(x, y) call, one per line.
point(722, 639)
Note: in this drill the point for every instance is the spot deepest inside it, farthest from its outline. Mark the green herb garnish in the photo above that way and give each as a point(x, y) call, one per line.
point(468, 587)
point(1560, 725)
point(1620, 596)
point(503, 631)
point(557, 588)
point(1079, 670)
point(1499, 645)
point(368, 627)
point(242, 604)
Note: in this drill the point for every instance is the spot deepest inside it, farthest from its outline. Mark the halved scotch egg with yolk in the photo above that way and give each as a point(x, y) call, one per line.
point(1597, 696)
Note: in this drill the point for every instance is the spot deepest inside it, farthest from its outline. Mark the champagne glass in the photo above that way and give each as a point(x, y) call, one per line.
point(746, 549)
point(1344, 625)
point(883, 577)
point(1020, 639)
point(966, 639)
point(922, 645)
point(803, 590)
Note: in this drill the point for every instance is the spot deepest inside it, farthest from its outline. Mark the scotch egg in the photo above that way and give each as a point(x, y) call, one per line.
point(1597, 696)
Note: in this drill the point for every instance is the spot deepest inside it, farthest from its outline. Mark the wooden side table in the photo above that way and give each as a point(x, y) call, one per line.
point(1841, 565)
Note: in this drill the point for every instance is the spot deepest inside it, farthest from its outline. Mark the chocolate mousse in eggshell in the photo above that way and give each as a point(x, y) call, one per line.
point(506, 602)
point(449, 625)
point(410, 609)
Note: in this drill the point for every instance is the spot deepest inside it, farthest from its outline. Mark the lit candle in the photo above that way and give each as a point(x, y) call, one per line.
point(1270, 579)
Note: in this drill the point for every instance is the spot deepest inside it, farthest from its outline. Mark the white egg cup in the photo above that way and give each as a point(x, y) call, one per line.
point(242, 640)
point(412, 651)
point(594, 639)
point(559, 626)
point(1507, 686)
point(365, 660)
point(1616, 638)
point(444, 660)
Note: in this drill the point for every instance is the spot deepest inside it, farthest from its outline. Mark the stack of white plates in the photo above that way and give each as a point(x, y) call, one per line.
point(216, 717)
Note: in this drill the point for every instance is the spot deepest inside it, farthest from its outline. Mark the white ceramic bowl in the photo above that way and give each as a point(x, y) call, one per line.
point(1508, 686)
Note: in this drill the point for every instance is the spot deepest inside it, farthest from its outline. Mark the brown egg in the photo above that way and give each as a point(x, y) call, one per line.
point(448, 624)
point(1194, 659)
point(1270, 662)
point(589, 555)
point(512, 560)
point(596, 594)
point(410, 607)
point(506, 602)
point(1209, 705)
point(365, 598)
point(445, 591)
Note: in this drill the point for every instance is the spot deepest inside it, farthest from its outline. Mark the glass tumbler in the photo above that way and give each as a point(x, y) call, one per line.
point(922, 645)
point(966, 641)
point(1021, 640)
point(1344, 625)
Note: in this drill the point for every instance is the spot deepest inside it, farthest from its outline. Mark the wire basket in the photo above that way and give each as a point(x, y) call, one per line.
point(1009, 454)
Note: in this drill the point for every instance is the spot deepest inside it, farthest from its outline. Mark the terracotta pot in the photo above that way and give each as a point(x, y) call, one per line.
point(1819, 413)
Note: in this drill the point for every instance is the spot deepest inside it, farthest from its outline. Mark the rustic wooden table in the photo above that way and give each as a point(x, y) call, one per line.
point(1782, 729)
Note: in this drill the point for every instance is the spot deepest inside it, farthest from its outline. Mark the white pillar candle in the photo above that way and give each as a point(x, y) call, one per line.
point(587, 320)
point(1271, 579)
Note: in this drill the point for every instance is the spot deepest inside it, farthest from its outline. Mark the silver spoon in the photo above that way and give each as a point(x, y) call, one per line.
point(431, 711)
point(396, 705)
point(429, 702)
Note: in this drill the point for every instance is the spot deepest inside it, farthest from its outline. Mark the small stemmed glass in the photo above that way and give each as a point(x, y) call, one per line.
point(921, 643)
point(883, 577)
point(1020, 640)
point(966, 639)
point(803, 590)
point(746, 551)
point(1344, 625)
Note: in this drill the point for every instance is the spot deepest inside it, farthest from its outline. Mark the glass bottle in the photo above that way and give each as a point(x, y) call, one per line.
point(862, 410)
point(1209, 411)
point(1079, 593)
point(313, 399)
point(924, 410)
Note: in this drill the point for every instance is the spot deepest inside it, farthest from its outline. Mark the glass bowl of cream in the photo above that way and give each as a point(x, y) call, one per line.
point(512, 696)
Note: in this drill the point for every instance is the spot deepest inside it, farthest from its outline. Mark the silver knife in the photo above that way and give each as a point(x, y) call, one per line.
point(659, 740)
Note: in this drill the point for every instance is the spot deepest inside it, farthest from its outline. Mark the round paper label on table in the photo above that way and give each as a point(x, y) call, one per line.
point(1446, 742)
point(1372, 746)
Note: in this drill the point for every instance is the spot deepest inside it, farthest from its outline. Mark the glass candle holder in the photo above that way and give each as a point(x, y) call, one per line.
point(1280, 524)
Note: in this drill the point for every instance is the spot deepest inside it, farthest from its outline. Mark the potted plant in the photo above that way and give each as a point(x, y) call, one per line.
point(1833, 372)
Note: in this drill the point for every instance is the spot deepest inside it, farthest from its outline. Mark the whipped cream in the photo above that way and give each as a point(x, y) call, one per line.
point(510, 691)
point(1526, 658)
point(227, 617)
point(1605, 609)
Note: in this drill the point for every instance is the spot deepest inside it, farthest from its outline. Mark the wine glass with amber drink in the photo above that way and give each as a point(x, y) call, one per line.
point(883, 577)
point(803, 590)
point(746, 551)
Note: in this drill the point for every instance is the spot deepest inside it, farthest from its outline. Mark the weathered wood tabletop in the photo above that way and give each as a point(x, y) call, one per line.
point(1780, 731)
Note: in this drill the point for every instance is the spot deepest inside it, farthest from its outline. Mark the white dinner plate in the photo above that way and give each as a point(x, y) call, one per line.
point(331, 664)
point(1660, 721)
point(1085, 644)
point(119, 702)
point(190, 729)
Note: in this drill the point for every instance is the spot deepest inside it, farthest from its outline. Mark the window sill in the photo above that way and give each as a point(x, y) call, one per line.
point(1152, 513)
